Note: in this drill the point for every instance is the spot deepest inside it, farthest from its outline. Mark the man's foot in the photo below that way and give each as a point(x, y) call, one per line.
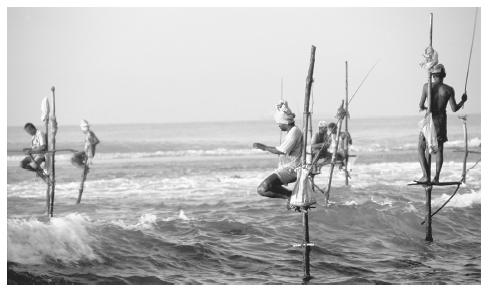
point(424, 179)
point(436, 180)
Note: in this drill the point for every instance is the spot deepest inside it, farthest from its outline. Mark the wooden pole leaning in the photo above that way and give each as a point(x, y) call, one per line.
point(54, 129)
point(82, 184)
point(333, 160)
point(346, 128)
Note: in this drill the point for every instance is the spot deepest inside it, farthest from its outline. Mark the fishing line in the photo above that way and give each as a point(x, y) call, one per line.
point(364, 79)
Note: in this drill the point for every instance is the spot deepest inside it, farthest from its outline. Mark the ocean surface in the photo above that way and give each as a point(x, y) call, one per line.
point(177, 204)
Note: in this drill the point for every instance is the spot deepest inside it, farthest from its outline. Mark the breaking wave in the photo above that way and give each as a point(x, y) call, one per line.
point(64, 239)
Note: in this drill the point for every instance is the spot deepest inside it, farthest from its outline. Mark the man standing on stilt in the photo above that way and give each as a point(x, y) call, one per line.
point(441, 94)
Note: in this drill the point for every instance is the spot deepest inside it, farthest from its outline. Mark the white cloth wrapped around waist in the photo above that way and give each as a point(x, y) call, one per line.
point(427, 129)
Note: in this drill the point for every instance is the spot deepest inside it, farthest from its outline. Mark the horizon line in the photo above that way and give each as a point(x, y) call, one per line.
point(234, 121)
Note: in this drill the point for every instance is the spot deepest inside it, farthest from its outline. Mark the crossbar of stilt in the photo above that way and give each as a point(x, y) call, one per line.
point(435, 184)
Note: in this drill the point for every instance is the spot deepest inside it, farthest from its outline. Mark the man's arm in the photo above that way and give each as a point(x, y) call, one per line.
point(452, 100)
point(93, 138)
point(423, 98)
point(270, 149)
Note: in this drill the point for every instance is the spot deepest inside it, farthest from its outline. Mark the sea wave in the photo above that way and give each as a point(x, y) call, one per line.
point(158, 154)
point(460, 200)
point(63, 239)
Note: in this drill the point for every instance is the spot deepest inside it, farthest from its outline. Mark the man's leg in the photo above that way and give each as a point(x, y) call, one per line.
point(439, 161)
point(271, 187)
point(26, 164)
point(423, 159)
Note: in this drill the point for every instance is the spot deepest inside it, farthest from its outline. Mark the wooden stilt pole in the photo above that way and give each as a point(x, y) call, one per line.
point(82, 184)
point(466, 151)
point(346, 150)
point(53, 147)
point(306, 122)
point(306, 250)
point(47, 164)
point(428, 214)
point(428, 189)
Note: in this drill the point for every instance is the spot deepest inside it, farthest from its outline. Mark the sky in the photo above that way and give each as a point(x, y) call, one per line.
point(157, 65)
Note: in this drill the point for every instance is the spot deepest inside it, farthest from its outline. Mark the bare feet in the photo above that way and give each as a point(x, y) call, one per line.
point(436, 179)
point(424, 179)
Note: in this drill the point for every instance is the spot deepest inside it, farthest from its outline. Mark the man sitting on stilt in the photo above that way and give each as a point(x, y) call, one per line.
point(35, 158)
point(441, 94)
point(289, 153)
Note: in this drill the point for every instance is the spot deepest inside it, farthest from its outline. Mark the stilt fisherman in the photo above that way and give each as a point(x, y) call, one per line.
point(441, 94)
point(85, 157)
point(289, 152)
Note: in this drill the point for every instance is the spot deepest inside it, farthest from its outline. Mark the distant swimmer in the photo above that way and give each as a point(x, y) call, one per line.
point(35, 159)
point(441, 94)
point(289, 153)
point(85, 157)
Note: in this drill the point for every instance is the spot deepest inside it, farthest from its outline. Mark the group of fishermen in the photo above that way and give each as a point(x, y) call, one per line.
point(290, 149)
point(324, 143)
point(35, 159)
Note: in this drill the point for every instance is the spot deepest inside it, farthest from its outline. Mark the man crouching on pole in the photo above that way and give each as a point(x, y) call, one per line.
point(289, 151)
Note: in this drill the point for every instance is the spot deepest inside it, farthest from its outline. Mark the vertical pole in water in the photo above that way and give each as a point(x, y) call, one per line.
point(306, 115)
point(463, 117)
point(47, 164)
point(428, 214)
point(346, 156)
point(54, 129)
point(428, 189)
point(306, 251)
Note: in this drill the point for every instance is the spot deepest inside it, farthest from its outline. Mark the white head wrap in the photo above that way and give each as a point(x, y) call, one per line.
point(323, 124)
point(84, 124)
point(283, 114)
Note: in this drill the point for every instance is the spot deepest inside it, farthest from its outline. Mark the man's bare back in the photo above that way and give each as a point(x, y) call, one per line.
point(441, 95)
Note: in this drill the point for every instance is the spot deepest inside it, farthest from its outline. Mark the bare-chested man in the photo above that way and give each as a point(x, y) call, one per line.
point(440, 94)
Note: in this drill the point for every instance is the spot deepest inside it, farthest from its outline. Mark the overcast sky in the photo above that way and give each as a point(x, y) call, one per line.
point(139, 65)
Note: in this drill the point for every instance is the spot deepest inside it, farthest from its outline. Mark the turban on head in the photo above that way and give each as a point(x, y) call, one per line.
point(322, 124)
point(283, 114)
point(84, 124)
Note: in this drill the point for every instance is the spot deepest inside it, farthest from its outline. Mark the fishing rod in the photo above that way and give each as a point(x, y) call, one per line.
point(44, 152)
point(281, 95)
point(364, 79)
point(471, 50)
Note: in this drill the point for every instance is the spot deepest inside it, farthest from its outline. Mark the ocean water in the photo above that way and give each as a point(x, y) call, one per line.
point(177, 204)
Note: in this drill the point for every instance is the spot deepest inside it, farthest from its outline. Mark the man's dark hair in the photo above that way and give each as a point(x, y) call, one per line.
point(441, 74)
point(29, 125)
point(332, 125)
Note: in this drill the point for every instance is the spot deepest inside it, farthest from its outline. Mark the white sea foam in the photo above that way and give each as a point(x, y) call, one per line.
point(460, 200)
point(210, 186)
point(145, 221)
point(182, 216)
point(64, 239)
